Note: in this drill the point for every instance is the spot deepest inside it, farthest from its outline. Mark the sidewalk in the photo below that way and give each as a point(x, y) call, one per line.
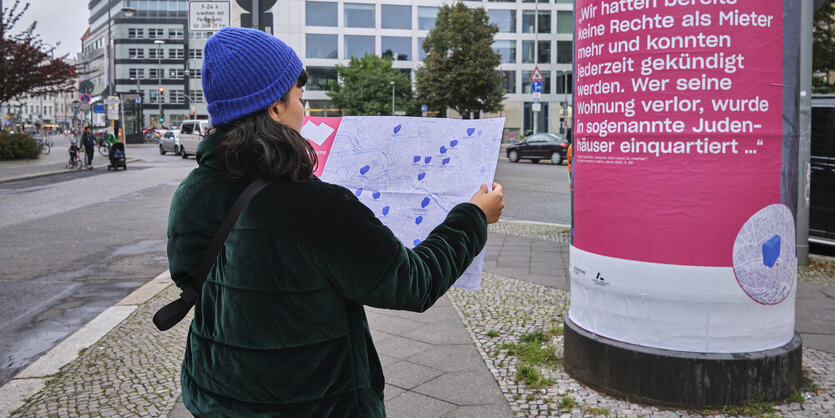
point(450, 361)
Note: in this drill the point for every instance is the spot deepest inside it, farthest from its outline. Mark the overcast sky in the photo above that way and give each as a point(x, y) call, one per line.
point(61, 21)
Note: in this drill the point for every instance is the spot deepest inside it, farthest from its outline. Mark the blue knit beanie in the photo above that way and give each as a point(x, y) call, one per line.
point(244, 71)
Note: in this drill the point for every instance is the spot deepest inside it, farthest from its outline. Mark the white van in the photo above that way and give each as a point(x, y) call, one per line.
point(191, 132)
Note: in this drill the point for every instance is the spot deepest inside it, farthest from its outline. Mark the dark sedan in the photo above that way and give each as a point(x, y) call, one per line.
point(539, 147)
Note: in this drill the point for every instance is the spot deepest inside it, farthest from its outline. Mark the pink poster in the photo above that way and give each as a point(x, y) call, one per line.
point(678, 126)
point(320, 132)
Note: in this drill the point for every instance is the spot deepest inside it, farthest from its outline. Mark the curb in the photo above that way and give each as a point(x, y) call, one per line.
point(34, 378)
point(49, 173)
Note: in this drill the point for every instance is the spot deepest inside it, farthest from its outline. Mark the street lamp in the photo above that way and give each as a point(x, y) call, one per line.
point(159, 43)
point(392, 98)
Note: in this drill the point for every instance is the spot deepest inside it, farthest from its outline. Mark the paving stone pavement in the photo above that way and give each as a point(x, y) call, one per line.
point(450, 361)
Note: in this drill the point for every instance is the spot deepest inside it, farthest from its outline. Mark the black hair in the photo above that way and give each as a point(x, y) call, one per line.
point(257, 146)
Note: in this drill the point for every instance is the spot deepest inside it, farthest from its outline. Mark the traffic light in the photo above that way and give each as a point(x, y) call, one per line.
point(162, 89)
point(162, 119)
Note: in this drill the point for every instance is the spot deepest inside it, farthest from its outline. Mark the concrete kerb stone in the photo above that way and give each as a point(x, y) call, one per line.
point(33, 378)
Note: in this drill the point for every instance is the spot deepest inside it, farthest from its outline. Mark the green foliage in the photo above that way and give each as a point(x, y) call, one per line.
point(459, 70)
point(567, 403)
point(596, 411)
point(18, 147)
point(532, 377)
point(823, 48)
point(365, 88)
point(492, 333)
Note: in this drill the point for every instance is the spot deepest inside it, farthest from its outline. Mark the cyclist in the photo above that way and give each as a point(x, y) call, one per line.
point(73, 153)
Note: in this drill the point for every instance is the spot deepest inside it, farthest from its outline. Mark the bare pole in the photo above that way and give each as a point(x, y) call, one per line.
point(805, 122)
point(256, 11)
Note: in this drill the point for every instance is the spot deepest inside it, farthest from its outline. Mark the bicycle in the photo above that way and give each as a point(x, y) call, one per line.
point(104, 149)
point(45, 145)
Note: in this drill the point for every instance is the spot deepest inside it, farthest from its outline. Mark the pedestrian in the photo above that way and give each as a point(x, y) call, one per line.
point(569, 158)
point(89, 142)
point(279, 327)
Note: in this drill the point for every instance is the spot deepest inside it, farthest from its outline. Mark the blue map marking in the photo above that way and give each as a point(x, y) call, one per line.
point(453, 143)
point(427, 160)
point(365, 169)
point(445, 161)
point(470, 131)
point(421, 176)
point(416, 242)
point(359, 192)
point(479, 133)
point(443, 149)
point(386, 210)
point(418, 220)
point(376, 195)
point(417, 158)
point(424, 202)
point(397, 128)
point(771, 251)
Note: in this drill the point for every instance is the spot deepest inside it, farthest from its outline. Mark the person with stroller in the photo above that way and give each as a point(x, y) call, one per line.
point(73, 153)
point(279, 327)
point(89, 142)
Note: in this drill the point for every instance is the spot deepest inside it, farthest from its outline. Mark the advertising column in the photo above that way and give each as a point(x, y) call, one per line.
point(683, 238)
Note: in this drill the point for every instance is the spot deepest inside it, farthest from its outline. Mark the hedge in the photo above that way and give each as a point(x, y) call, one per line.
point(18, 147)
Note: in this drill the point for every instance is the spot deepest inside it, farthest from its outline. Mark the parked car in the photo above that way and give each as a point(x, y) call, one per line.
point(538, 147)
point(170, 142)
point(191, 132)
point(822, 171)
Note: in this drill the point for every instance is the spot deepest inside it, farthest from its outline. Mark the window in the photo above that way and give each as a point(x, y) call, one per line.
point(565, 83)
point(194, 73)
point(565, 22)
point(542, 118)
point(544, 51)
point(175, 34)
point(526, 82)
point(507, 49)
point(357, 46)
point(528, 21)
point(155, 53)
point(319, 13)
point(508, 81)
point(396, 17)
point(528, 52)
point(321, 46)
point(564, 52)
point(427, 17)
point(177, 97)
point(321, 78)
point(397, 47)
point(504, 19)
point(134, 33)
point(195, 54)
point(176, 74)
point(421, 52)
point(153, 96)
point(136, 53)
point(359, 15)
point(156, 33)
point(152, 73)
point(135, 73)
point(503, 1)
point(544, 21)
point(195, 96)
point(532, 1)
point(175, 53)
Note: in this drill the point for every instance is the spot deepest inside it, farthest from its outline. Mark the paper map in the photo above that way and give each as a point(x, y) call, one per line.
point(409, 171)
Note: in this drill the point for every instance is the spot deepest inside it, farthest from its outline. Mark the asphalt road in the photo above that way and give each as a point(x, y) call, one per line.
point(73, 244)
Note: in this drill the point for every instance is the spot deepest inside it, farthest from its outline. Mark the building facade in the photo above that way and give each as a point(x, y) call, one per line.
point(156, 55)
point(146, 52)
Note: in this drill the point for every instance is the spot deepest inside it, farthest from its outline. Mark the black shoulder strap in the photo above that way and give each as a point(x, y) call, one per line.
point(169, 315)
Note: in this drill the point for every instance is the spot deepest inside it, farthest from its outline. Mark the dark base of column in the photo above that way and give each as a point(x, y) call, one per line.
point(678, 378)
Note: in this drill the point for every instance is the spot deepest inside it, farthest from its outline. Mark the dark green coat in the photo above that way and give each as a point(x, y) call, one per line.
point(280, 327)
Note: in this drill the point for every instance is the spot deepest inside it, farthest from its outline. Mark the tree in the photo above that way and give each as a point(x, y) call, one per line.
point(823, 48)
point(460, 68)
point(25, 67)
point(365, 87)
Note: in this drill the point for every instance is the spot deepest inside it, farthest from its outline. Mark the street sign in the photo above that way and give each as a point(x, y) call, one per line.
point(85, 86)
point(99, 108)
point(76, 104)
point(536, 107)
point(537, 95)
point(208, 15)
point(536, 86)
point(424, 108)
point(113, 111)
point(138, 100)
point(537, 75)
point(85, 98)
point(111, 100)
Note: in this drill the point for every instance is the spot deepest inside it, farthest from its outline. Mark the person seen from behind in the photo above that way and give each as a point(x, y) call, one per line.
point(88, 140)
point(279, 328)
